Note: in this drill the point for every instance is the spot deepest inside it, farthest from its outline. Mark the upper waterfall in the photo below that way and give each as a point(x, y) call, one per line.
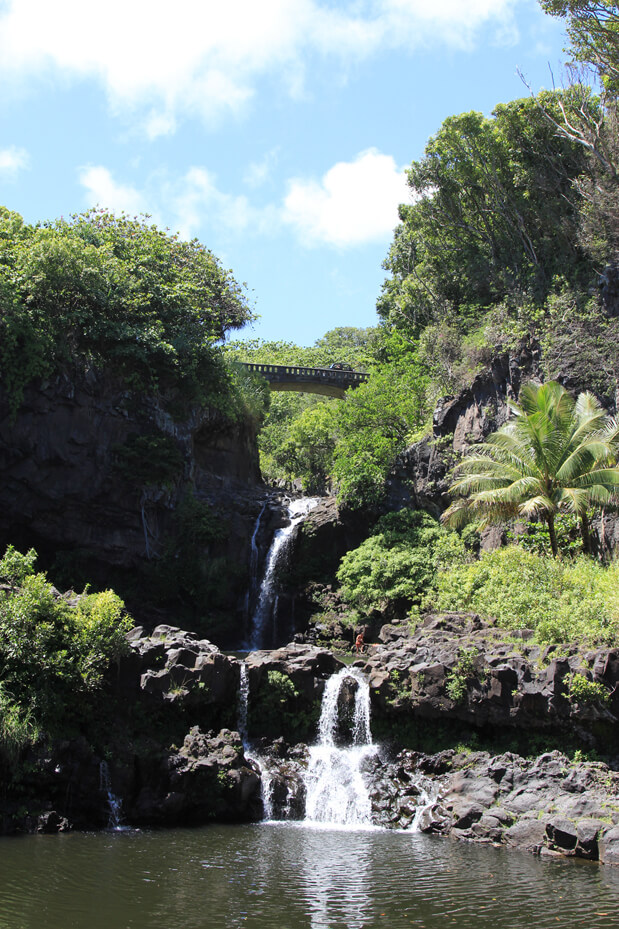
point(263, 628)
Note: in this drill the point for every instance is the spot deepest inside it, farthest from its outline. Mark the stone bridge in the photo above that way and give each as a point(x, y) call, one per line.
point(330, 382)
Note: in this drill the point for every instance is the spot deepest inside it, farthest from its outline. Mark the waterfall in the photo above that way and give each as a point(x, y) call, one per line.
point(114, 803)
point(262, 633)
point(266, 780)
point(243, 704)
point(336, 792)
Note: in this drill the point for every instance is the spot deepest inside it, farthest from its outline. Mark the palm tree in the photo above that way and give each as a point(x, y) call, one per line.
point(555, 455)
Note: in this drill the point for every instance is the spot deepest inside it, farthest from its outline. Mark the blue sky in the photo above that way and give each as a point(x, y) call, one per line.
point(276, 132)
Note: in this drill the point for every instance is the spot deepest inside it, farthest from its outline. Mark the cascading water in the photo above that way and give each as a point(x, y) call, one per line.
point(243, 704)
point(336, 792)
point(262, 632)
point(243, 727)
point(114, 803)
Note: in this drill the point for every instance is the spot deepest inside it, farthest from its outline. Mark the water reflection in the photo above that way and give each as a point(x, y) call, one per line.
point(287, 877)
point(337, 885)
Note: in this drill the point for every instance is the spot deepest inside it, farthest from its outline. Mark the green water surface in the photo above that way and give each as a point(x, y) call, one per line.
point(292, 877)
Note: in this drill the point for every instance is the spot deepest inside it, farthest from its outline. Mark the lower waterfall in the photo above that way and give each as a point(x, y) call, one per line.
point(336, 793)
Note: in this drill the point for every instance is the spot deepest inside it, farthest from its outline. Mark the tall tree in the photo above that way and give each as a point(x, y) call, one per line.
point(493, 214)
point(593, 28)
point(555, 455)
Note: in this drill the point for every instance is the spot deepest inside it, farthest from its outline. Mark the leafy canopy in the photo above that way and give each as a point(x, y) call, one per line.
point(593, 29)
point(111, 292)
point(394, 568)
point(493, 213)
point(53, 655)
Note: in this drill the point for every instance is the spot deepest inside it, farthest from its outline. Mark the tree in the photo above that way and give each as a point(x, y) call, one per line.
point(555, 455)
point(115, 293)
point(593, 28)
point(493, 214)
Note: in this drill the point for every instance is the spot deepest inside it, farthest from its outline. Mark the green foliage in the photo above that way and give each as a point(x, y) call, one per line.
point(393, 569)
point(534, 535)
point(17, 727)
point(556, 455)
point(374, 424)
point(580, 344)
point(252, 391)
point(561, 601)
point(352, 442)
point(53, 656)
point(148, 460)
point(115, 293)
point(460, 674)
point(493, 214)
point(307, 451)
point(299, 433)
point(581, 690)
point(278, 707)
point(593, 29)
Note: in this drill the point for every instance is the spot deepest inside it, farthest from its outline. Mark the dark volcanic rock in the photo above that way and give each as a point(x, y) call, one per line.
point(61, 489)
point(420, 477)
point(209, 778)
point(506, 799)
point(508, 685)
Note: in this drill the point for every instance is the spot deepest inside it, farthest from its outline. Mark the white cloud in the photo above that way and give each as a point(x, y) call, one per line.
point(206, 57)
point(102, 190)
point(355, 202)
point(190, 204)
point(258, 172)
point(13, 159)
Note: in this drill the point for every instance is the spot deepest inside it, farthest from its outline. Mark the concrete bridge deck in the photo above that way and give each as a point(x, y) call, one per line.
point(330, 382)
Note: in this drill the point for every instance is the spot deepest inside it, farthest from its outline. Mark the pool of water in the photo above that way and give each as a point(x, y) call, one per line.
point(283, 876)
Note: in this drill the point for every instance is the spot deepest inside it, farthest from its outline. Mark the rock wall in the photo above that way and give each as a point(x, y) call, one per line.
point(63, 492)
point(420, 477)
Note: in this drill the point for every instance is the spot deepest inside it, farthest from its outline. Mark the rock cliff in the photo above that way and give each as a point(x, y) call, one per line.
point(94, 478)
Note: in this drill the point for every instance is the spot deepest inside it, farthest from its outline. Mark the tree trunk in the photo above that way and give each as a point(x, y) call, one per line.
point(584, 532)
point(550, 521)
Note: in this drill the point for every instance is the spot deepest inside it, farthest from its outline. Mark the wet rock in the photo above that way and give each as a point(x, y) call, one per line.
point(608, 843)
point(208, 778)
point(562, 833)
point(528, 834)
point(507, 686)
point(52, 823)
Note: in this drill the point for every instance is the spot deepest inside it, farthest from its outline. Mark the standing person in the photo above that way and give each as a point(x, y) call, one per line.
point(359, 646)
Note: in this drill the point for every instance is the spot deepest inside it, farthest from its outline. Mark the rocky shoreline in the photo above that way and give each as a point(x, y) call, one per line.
point(175, 755)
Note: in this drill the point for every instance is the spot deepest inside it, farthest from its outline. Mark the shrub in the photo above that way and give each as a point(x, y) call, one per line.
point(51, 653)
point(394, 568)
point(581, 690)
point(561, 601)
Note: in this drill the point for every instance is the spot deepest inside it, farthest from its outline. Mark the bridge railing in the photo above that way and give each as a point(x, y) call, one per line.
point(331, 374)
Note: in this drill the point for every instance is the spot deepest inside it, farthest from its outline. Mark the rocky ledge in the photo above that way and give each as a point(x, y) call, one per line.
point(457, 669)
point(548, 805)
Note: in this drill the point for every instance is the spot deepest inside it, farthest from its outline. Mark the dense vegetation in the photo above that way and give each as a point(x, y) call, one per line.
point(512, 219)
point(55, 652)
point(512, 222)
point(117, 294)
point(556, 455)
point(505, 247)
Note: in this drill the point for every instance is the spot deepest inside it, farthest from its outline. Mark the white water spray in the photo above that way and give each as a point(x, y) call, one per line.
point(336, 791)
point(114, 803)
point(263, 614)
point(266, 780)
